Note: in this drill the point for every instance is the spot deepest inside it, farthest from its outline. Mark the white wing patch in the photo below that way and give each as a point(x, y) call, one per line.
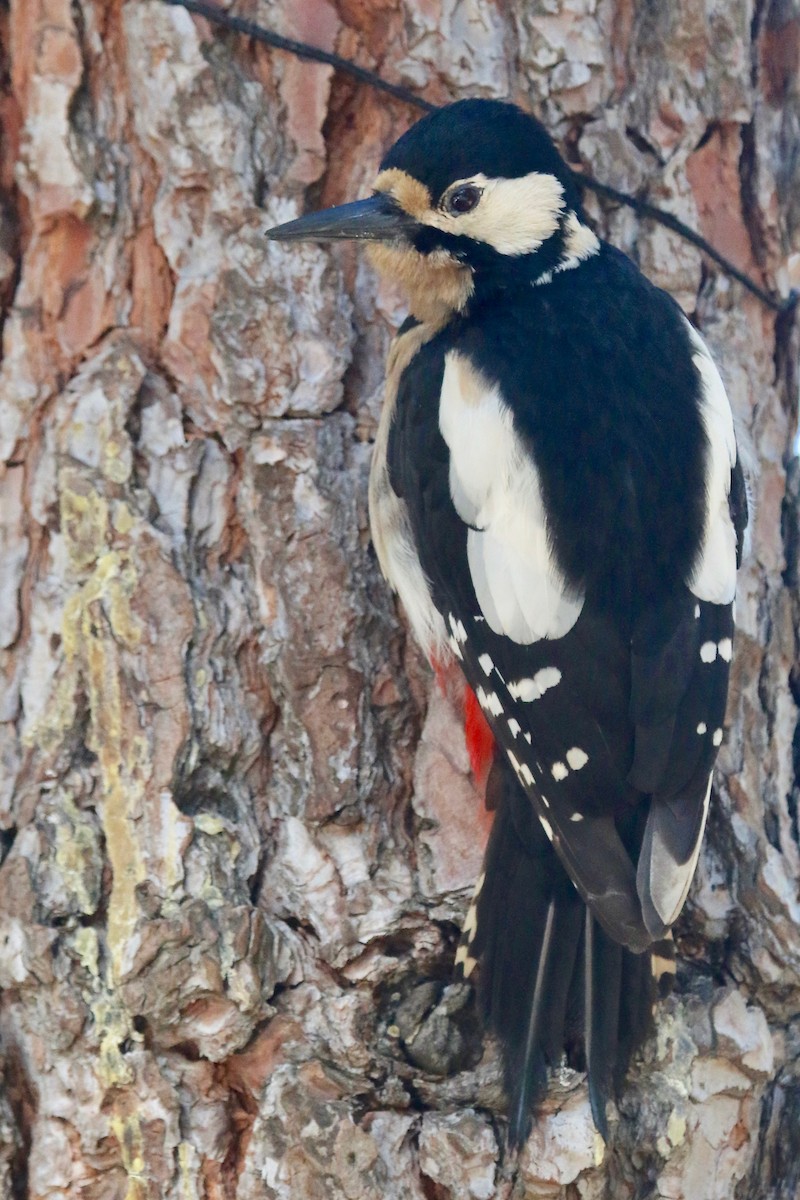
point(495, 489)
point(714, 576)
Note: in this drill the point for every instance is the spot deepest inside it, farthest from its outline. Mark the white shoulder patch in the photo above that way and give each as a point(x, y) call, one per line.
point(714, 576)
point(495, 489)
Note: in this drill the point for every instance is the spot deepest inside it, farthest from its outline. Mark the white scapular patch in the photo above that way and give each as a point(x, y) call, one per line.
point(714, 575)
point(577, 758)
point(717, 738)
point(702, 728)
point(486, 663)
point(708, 651)
point(513, 215)
point(725, 648)
point(559, 771)
point(528, 690)
point(495, 489)
point(490, 701)
point(514, 727)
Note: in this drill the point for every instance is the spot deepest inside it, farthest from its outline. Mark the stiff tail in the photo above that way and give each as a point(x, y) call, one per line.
point(550, 980)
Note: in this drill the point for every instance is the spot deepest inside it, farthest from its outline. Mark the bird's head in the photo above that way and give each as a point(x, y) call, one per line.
point(472, 199)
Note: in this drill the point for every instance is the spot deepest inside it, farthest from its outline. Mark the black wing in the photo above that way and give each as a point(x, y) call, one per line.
point(612, 729)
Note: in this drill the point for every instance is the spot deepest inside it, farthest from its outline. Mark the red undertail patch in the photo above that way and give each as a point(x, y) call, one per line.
point(480, 739)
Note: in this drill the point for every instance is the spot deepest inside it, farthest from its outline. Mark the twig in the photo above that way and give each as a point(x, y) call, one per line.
point(218, 16)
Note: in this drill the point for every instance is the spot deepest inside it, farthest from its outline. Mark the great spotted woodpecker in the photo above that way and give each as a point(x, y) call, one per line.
point(557, 499)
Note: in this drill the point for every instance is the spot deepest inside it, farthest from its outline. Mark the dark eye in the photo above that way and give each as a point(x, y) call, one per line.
point(463, 199)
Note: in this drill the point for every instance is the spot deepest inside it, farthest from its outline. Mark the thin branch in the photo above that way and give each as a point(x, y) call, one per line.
point(646, 209)
point(218, 16)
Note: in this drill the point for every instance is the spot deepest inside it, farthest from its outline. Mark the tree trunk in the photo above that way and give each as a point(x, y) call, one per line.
point(238, 827)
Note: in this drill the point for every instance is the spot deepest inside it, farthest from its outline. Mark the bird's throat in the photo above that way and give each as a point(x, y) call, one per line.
point(436, 285)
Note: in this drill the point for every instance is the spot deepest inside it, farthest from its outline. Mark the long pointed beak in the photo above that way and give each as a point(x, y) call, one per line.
point(377, 219)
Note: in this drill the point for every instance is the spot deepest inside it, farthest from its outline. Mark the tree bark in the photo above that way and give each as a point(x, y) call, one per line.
point(237, 824)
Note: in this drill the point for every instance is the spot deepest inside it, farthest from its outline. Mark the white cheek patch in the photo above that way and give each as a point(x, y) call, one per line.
point(714, 576)
point(495, 489)
point(515, 216)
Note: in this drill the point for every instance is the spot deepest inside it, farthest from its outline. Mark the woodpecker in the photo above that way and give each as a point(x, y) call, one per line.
point(557, 498)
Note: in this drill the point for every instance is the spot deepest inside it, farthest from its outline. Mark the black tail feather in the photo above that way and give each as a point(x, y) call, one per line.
point(532, 1066)
point(602, 981)
point(547, 971)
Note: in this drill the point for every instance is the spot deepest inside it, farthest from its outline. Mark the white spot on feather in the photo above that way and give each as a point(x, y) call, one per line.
point(717, 738)
point(528, 690)
point(454, 646)
point(725, 648)
point(708, 651)
point(459, 632)
point(702, 728)
point(486, 663)
point(547, 827)
point(577, 758)
point(490, 701)
point(526, 774)
point(576, 816)
point(559, 771)
point(514, 727)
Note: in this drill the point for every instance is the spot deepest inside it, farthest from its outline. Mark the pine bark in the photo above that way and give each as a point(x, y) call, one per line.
point(237, 825)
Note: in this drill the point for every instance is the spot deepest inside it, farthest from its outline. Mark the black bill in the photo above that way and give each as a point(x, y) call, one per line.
point(377, 219)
